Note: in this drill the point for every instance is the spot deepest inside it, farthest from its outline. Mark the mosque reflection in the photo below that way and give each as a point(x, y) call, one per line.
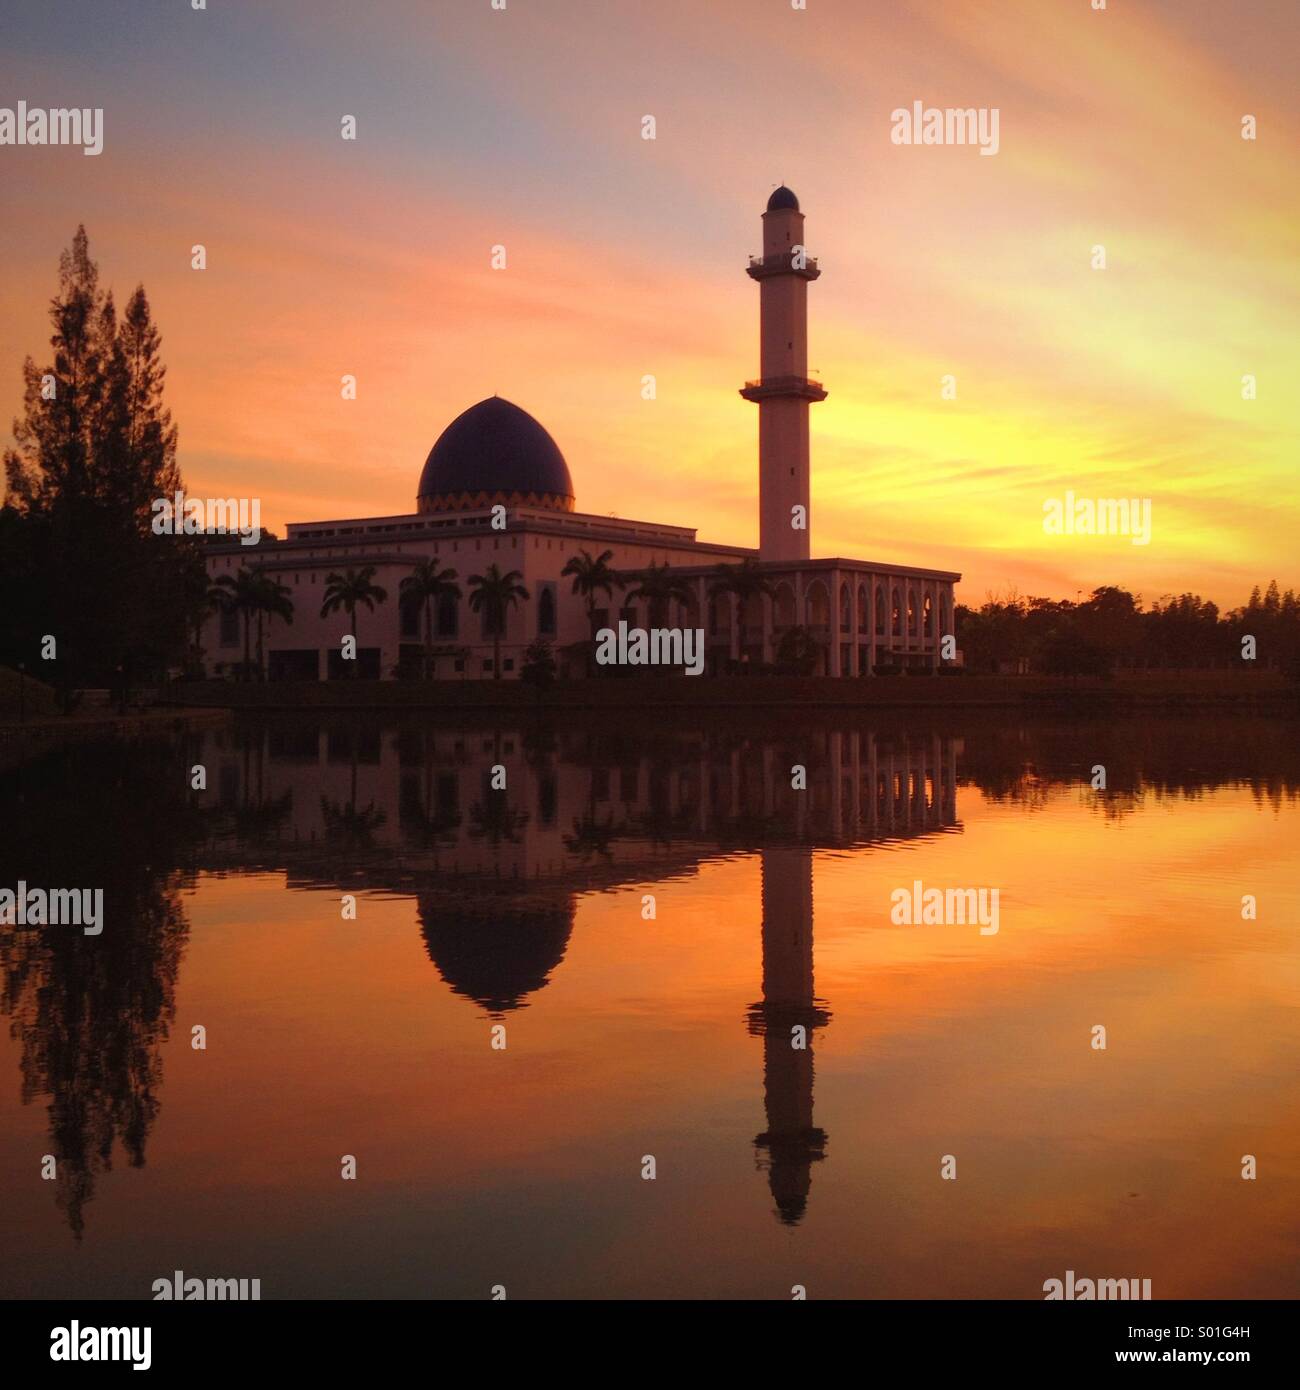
point(496, 833)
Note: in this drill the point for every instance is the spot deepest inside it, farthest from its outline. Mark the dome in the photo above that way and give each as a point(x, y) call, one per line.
point(783, 198)
point(494, 452)
point(493, 953)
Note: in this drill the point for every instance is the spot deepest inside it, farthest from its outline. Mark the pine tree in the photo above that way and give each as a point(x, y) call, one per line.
point(61, 401)
point(94, 447)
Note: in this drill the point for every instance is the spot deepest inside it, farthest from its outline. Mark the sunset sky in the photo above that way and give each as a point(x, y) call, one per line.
point(626, 257)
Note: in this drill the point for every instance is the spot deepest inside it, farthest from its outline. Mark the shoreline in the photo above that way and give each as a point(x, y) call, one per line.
point(207, 704)
point(96, 723)
point(1166, 690)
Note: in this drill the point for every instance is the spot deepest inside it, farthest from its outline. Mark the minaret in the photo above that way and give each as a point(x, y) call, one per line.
point(791, 1144)
point(783, 391)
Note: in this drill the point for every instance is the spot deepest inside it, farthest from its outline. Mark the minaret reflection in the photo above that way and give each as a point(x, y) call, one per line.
point(499, 872)
point(785, 1020)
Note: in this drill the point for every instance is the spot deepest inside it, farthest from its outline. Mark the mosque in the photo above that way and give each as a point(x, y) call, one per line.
point(863, 616)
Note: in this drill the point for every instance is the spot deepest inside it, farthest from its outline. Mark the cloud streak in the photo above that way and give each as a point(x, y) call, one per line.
point(626, 258)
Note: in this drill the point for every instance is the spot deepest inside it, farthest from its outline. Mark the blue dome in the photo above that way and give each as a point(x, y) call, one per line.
point(783, 198)
point(494, 452)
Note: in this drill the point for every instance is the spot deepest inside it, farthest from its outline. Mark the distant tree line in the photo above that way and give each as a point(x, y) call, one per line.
point(1111, 631)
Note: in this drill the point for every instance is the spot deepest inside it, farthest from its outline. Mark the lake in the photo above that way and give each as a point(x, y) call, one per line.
point(624, 1008)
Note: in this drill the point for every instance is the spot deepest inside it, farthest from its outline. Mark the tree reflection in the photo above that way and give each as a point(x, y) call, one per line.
point(91, 1013)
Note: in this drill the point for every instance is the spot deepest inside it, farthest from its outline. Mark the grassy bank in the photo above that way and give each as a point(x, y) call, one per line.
point(1192, 690)
point(46, 729)
point(19, 693)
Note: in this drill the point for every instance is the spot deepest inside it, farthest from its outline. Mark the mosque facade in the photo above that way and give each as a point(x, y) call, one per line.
point(495, 489)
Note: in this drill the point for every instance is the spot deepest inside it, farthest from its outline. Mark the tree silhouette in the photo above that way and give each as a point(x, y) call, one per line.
point(348, 592)
point(493, 594)
point(273, 600)
point(94, 448)
point(424, 588)
point(659, 587)
point(239, 593)
point(592, 577)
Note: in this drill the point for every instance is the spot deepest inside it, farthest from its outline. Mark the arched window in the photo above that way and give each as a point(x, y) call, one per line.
point(911, 612)
point(927, 616)
point(818, 604)
point(896, 615)
point(447, 616)
point(783, 606)
point(880, 611)
point(862, 608)
point(546, 612)
point(751, 617)
point(719, 615)
point(846, 609)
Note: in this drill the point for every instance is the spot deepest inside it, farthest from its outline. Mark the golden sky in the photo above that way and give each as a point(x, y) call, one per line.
point(625, 257)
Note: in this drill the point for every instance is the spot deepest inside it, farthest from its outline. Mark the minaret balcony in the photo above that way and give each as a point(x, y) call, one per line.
point(769, 388)
point(764, 267)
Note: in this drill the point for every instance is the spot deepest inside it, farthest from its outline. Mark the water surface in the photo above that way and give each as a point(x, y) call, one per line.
point(628, 1035)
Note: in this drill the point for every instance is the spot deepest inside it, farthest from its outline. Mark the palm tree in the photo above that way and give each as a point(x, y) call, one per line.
point(349, 826)
point(744, 581)
point(347, 823)
point(659, 587)
point(273, 601)
point(424, 819)
point(495, 820)
point(199, 604)
point(258, 822)
point(592, 577)
point(799, 651)
point(348, 590)
point(592, 838)
point(538, 669)
point(494, 594)
point(426, 586)
point(239, 593)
